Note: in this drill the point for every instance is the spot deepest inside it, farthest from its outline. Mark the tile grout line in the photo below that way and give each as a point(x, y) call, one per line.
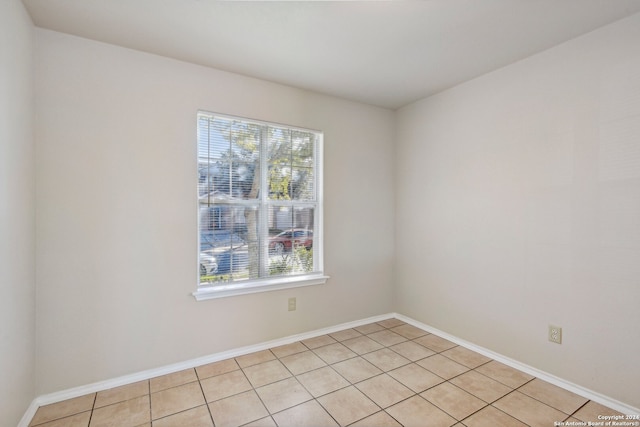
point(506, 413)
point(231, 395)
point(546, 404)
point(474, 412)
point(260, 397)
point(271, 414)
point(150, 408)
point(314, 398)
point(471, 394)
point(93, 406)
point(466, 391)
point(578, 410)
point(204, 397)
point(543, 403)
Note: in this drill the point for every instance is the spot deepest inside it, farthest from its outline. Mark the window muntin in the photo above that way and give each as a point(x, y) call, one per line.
point(247, 235)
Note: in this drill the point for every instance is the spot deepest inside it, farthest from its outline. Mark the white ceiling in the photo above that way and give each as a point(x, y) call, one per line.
point(385, 53)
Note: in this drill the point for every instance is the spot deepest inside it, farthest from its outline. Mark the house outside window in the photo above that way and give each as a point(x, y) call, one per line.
point(259, 206)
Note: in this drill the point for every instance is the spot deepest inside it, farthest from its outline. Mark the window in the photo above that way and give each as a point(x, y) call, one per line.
point(260, 206)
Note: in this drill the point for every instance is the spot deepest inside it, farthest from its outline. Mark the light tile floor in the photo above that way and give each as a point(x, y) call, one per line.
point(382, 374)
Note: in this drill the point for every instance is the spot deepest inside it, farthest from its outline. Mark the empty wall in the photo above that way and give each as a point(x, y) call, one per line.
point(17, 214)
point(518, 206)
point(116, 180)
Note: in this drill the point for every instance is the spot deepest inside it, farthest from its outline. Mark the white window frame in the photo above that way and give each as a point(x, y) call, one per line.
point(279, 282)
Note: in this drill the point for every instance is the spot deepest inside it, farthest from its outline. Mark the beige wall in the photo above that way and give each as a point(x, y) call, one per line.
point(518, 206)
point(116, 180)
point(17, 214)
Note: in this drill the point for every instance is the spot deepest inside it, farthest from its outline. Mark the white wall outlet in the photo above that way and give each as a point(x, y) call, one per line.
point(555, 334)
point(292, 304)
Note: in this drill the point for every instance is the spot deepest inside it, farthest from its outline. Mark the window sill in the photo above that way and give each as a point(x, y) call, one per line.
point(254, 286)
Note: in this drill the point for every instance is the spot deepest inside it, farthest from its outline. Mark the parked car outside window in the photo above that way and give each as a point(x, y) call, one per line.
point(289, 239)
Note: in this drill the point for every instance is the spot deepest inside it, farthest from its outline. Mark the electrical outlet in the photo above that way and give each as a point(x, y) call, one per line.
point(292, 304)
point(555, 334)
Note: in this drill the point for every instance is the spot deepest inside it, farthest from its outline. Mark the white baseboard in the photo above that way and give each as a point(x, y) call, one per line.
point(574, 388)
point(175, 367)
point(29, 413)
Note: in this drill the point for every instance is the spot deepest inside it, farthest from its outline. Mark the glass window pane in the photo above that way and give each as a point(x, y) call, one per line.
point(228, 159)
point(302, 184)
point(279, 181)
point(245, 160)
point(291, 164)
point(302, 148)
point(229, 247)
point(290, 249)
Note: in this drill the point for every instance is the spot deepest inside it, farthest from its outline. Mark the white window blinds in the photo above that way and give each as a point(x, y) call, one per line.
point(259, 195)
